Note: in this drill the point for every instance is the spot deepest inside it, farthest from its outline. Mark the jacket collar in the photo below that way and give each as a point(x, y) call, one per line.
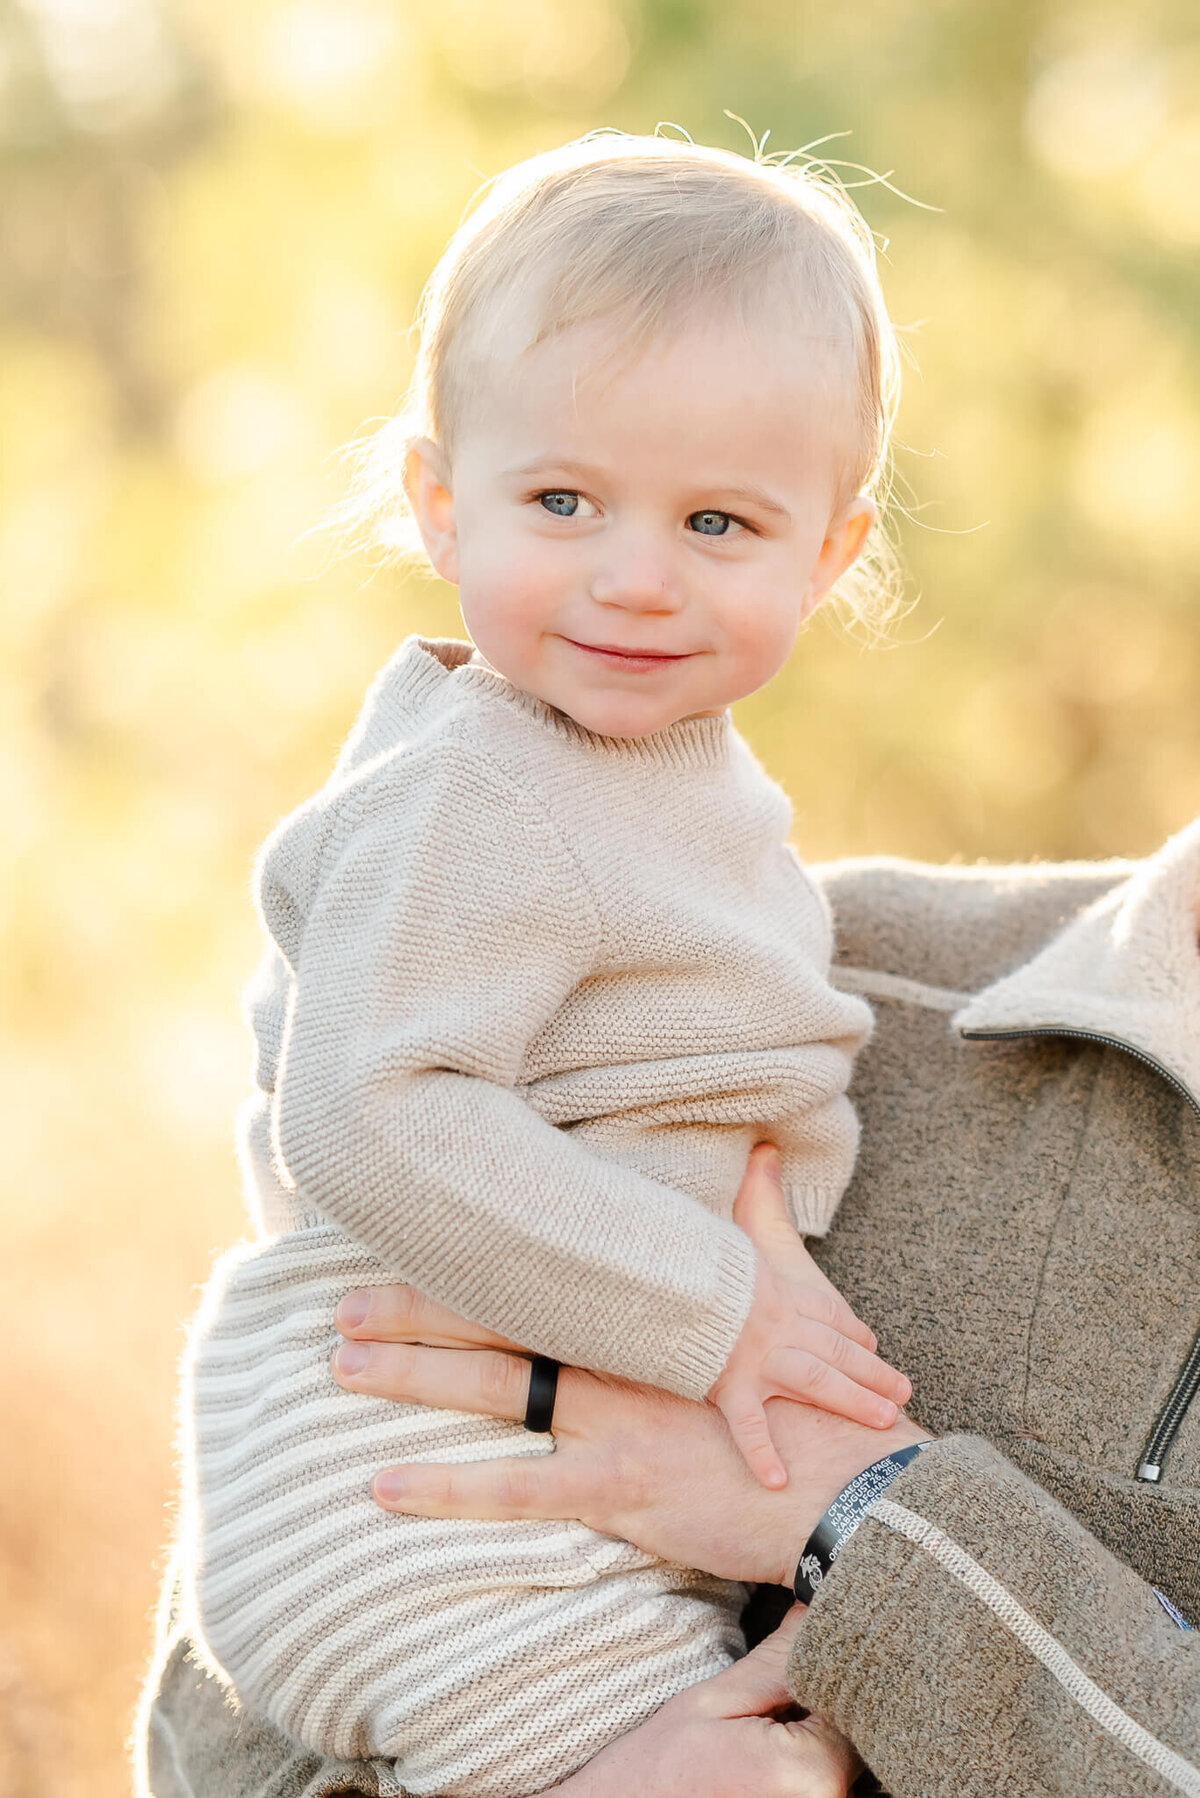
point(1126, 969)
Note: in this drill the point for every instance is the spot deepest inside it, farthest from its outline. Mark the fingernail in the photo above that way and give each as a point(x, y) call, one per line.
point(352, 1358)
point(353, 1309)
point(389, 1485)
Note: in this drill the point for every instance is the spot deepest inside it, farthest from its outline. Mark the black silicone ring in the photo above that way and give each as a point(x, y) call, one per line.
point(543, 1387)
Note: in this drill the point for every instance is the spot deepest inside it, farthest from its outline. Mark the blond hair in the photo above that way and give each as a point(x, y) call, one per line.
point(642, 232)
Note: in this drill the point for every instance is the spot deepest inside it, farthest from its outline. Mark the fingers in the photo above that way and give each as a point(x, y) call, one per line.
point(843, 1758)
point(756, 1684)
point(495, 1383)
point(400, 1313)
point(797, 1374)
point(541, 1486)
point(742, 1409)
point(817, 1342)
point(489, 1382)
point(760, 1209)
point(826, 1305)
point(805, 1758)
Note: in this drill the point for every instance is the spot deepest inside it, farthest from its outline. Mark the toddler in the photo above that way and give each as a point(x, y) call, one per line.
point(543, 968)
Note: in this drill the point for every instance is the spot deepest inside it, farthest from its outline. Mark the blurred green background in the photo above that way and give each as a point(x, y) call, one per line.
point(216, 220)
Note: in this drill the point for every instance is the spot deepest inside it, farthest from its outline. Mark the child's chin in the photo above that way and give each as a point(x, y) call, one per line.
point(622, 718)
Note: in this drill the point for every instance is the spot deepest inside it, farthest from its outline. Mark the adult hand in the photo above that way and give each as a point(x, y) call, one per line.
point(733, 1736)
point(629, 1461)
point(800, 1339)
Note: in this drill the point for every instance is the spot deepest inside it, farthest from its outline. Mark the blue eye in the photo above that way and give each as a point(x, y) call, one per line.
point(563, 505)
point(710, 524)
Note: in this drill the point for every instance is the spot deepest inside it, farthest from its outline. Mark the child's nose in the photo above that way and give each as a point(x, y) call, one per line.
point(639, 576)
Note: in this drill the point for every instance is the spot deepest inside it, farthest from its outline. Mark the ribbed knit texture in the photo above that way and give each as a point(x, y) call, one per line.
point(533, 995)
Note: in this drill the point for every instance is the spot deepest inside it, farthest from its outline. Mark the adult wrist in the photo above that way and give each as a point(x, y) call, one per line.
point(822, 1453)
point(849, 1507)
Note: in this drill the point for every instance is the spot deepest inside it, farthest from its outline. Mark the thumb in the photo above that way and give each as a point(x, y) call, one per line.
point(756, 1684)
point(760, 1208)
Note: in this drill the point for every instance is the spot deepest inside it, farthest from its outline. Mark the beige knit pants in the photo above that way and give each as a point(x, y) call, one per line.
point(487, 1659)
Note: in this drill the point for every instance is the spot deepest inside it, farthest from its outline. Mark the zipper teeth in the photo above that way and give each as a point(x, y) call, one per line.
point(1173, 1412)
point(1187, 1381)
point(1090, 1036)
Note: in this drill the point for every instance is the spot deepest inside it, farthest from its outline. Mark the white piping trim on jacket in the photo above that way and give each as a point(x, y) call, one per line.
point(1181, 1774)
point(877, 985)
point(158, 1726)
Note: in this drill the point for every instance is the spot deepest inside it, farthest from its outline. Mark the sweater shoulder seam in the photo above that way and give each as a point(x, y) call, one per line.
point(352, 806)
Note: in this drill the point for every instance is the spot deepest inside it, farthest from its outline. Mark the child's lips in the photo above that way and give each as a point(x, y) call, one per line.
point(634, 660)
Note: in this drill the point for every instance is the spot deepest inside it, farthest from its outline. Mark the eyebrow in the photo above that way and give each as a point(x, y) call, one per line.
point(756, 496)
point(561, 465)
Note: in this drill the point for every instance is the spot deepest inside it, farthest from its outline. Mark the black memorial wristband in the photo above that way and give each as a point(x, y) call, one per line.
point(845, 1514)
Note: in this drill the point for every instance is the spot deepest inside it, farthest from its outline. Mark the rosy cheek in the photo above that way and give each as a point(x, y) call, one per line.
point(537, 574)
point(502, 603)
point(766, 646)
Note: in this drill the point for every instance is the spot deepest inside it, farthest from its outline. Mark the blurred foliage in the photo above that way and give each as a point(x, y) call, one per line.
point(216, 221)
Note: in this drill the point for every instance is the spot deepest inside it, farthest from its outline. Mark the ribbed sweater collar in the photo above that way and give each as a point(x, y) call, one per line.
point(429, 672)
point(1126, 969)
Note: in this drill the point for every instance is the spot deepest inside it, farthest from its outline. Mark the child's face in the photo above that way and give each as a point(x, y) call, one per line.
point(639, 543)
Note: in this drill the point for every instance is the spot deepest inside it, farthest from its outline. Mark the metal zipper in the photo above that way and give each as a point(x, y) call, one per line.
point(1187, 1382)
point(1171, 1416)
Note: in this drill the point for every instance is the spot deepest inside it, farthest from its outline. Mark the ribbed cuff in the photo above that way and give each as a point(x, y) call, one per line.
point(700, 1357)
point(811, 1208)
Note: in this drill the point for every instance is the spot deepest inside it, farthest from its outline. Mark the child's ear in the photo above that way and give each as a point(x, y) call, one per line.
point(842, 547)
point(427, 484)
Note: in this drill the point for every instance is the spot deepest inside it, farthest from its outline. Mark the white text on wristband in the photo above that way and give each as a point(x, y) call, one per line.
point(844, 1515)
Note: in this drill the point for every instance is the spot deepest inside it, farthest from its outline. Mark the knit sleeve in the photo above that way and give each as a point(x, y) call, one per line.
point(974, 1638)
point(448, 925)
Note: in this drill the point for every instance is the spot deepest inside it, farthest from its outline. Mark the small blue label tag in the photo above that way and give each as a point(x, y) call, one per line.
point(1175, 1616)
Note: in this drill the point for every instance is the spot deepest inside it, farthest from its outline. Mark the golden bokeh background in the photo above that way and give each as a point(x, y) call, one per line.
point(216, 220)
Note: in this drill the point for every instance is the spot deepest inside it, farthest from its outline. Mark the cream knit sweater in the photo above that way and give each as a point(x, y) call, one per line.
point(532, 996)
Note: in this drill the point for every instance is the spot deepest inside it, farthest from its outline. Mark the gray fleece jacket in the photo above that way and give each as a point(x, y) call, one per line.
point(1023, 1232)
